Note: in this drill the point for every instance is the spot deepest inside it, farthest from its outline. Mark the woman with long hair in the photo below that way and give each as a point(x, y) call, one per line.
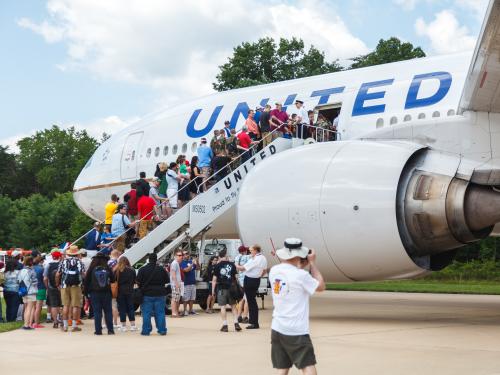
point(97, 285)
point(125, 276)
point(10, 289)
point(28, 276)
point(196, 177)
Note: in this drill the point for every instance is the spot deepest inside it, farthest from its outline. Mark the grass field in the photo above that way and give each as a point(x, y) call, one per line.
point(5, 327)
point(422, 286)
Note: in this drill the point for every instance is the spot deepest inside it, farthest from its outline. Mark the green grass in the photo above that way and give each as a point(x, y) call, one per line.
point(10, 326)
point(422, 286)
point(6, 327)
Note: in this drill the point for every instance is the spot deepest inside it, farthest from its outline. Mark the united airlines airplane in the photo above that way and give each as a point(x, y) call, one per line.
point(414, 176)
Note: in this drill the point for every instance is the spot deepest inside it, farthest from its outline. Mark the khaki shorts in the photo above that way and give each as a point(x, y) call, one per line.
point(71, 296)
point(119, 243)
point(287, 351)
point(29, 298)
point(145, 226)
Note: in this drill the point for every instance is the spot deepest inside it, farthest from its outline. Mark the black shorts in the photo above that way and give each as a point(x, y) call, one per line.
point(287, 351)
point(54, 297)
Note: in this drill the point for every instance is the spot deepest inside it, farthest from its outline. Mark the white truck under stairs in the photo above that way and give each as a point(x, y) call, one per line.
point(197, 215)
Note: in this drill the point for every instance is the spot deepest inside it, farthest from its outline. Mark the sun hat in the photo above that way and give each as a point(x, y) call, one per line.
point(72, 251)
point(292, 248)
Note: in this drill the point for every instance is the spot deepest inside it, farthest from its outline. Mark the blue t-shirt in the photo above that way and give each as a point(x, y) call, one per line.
point(39, 276)
point(189, 277)
point(205, 156)
point(117, 226)
point(106, 238)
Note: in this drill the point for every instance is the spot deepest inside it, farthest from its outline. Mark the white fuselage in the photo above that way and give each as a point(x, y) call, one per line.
point(414, 100)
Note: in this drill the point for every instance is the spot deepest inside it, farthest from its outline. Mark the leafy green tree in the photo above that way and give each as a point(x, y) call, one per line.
point(51, 160)
point(265, 62)
point(388, 51)
point(7, 213)
point(8, 171)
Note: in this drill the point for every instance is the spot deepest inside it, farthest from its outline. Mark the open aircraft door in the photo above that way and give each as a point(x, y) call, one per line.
point(130, 154)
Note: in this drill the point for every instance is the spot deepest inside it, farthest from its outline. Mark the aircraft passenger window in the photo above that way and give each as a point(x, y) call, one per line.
point(451, 112)
point(184, 148)
point(194, 146)
point(148, 153)
point(394, 120)
point(435, 114)
point(407, 118)
point(380, 123)
point(174, 150)
point(421, 116)
point(165, 150)
point(157, 151)
point(133, 155)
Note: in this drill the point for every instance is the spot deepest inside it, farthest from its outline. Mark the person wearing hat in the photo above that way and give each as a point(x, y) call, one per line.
point(303, 118)
point(254, 269)
point(291, 288)
point(70, 273)
point(54, 302)
point(227, 129)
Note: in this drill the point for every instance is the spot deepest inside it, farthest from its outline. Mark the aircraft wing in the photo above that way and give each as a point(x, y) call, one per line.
point(482, 86)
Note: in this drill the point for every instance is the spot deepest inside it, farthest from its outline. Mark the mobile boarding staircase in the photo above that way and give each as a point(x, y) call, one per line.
point(196, 216)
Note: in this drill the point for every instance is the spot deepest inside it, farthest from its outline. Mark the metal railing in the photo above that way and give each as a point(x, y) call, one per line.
point(320, 135)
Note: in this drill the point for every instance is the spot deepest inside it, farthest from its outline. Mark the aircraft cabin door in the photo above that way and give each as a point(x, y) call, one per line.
point(130, 155)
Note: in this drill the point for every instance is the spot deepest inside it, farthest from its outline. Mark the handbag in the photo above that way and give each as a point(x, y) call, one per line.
point(23, 289)
point(236, 291)
point(138, 295)
point(114, 286)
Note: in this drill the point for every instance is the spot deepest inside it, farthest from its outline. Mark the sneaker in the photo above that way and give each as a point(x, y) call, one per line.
point(185, 313)
point(133, 328)
point(64, 329)
point(224, 329)
point(76, 329)
point(56, 325)
point(240, 319)
point(111, 332)
point(237, 327)
point(123, 329)
point(117, 326)
point(27, 328)
point(37, 326)
point(193, 313)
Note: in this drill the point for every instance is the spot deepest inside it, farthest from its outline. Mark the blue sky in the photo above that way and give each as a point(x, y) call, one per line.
point(101, 65)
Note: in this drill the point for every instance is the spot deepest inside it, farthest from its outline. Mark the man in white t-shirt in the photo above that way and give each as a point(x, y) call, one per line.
point(291, 288)
point(176, 283)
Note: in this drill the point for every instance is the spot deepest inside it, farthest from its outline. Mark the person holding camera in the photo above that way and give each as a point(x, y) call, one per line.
point(291, 288)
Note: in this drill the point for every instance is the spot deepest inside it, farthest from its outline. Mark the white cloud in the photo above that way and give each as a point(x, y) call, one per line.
point(445, 33)
point(477, 6)
point(178, 46)
point(406, 4)
point(109, 125)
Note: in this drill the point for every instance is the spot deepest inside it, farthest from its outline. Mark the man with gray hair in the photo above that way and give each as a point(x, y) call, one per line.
point(291, 288)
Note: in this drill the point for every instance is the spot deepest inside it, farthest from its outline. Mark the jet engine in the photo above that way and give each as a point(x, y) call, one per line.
point(372, 210)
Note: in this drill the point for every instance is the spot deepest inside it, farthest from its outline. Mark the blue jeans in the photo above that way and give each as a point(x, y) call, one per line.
point(12, 301)
point(101, 301)
point(126, 307)
point(153, 306)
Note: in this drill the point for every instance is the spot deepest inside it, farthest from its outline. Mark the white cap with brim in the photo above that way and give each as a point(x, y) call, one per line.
point(293, 248)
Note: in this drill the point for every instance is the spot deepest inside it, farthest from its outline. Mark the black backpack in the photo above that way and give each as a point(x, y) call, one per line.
point(100, 281)
point(52, 271)
point(72, 277)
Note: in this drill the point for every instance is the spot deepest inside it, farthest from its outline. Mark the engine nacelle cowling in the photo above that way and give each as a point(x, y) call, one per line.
point(372, 210)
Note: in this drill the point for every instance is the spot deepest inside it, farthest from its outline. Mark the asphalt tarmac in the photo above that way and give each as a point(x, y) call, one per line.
point(353, 333)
